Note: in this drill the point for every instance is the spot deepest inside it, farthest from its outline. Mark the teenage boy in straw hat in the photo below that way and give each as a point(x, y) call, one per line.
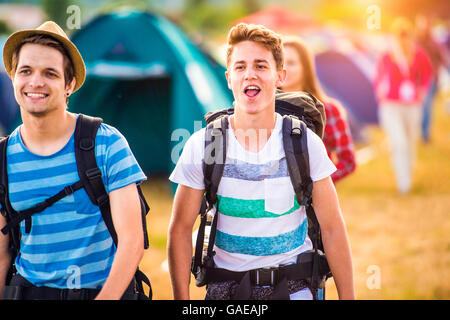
point(68, 245)
point(271, 237)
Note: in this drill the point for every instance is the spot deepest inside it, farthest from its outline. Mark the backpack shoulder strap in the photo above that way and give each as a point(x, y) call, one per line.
point(295, 145)
point(6, 210)
point(90, 175)
point(215, 155)
point(4, 190)
point(3, 173)
point(213, 165)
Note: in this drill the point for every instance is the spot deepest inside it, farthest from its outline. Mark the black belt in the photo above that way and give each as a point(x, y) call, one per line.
point(275, 277)
point(24, 290)
point(270, 276)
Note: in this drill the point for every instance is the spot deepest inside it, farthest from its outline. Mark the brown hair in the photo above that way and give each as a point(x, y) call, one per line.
point(259, 34)
point(309, 81)
point(49, 41)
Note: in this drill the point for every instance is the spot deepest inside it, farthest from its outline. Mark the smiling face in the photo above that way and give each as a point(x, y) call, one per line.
point(253, 77)
point(38, 81)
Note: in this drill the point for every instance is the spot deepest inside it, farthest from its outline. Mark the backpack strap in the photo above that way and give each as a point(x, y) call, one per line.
point(3, 176)
point(213, 165)
point(296, 149)
point(88, 171)
point(91, 179)
point(215, 155)
point(6, 210)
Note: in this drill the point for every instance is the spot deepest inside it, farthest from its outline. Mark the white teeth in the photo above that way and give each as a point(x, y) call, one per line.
point(36, 95)
point(252, 88)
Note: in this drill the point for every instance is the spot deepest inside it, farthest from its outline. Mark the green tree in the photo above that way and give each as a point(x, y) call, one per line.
point(4, 28)
point(56, 10)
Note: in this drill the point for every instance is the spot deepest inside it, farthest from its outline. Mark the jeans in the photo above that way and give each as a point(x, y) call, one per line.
point(428, 104)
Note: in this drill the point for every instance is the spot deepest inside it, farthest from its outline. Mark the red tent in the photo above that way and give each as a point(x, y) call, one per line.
point(281, 20)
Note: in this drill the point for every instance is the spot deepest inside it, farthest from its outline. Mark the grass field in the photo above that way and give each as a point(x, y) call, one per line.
point(400, 243)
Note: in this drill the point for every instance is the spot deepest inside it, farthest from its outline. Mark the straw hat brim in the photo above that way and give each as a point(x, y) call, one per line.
point(16, 38)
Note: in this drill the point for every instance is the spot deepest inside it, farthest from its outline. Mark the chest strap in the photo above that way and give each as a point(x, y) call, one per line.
point(27, 213)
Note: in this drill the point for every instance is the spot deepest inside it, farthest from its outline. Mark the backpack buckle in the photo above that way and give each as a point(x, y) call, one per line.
point(68, 190)
point(266, 277)
point(87, 144)
point(93, 173)
point(103, 199)
point(296, 127)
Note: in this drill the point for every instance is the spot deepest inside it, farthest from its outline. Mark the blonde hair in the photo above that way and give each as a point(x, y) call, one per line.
point(259, 34)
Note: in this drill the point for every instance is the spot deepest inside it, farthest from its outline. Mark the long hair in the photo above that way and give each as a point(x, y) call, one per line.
point(309, 81)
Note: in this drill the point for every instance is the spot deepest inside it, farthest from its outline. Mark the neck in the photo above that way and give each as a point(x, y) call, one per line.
point(292, 88)
point(47, 134)
point(253, 130)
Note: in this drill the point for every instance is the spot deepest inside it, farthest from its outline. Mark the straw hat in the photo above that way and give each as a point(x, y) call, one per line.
point(52, 29)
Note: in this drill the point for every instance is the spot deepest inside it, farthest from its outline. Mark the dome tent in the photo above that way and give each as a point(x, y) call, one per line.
point(145, 78)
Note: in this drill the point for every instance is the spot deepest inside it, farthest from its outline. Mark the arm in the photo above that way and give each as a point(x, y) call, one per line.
point(334, 236)
point(4, 255)
point(185, 210)
point(339, 138)
point(126, 216)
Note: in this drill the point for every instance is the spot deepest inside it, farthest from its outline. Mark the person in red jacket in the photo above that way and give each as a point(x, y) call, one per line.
point(301, 76)
point(402, 78)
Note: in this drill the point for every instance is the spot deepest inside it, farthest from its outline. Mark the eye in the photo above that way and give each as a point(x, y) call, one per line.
point(260, 66)
point(51, 74)
point(239, 67)
point(25, 71)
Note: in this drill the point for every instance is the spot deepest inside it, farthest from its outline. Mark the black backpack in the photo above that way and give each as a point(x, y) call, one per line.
point(300, 111)
point(90, 179)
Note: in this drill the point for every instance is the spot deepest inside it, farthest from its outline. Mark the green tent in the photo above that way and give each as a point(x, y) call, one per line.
point(145, 78)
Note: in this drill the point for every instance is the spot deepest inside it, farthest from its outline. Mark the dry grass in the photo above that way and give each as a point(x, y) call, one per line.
point(405, 237)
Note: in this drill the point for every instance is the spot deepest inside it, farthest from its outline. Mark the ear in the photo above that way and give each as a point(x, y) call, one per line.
point(227, 75)
point(71, 86)
point(281, 77)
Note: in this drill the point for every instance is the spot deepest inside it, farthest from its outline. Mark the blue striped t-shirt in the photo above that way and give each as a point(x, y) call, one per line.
point(69, 245)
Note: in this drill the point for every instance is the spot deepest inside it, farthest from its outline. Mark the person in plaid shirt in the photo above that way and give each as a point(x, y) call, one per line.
point(301, 77)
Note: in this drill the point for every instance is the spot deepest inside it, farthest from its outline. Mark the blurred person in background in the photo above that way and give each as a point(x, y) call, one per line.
point(301, 76)
point(436, 54)
point(402, 77)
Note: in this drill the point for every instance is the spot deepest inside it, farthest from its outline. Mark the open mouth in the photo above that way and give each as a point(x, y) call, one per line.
point(252, 91)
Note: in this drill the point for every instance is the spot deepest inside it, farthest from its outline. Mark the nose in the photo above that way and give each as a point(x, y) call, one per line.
point(250, 74)
point(36, 80)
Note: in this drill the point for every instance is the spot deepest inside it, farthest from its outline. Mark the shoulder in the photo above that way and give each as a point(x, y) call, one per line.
point(197, 140)
point(108, 137)
point(14, 142)
point(333, 108)
point(314, 142)
point(109, 133)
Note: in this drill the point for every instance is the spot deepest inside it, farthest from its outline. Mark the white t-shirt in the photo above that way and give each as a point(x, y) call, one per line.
point(260, 222)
